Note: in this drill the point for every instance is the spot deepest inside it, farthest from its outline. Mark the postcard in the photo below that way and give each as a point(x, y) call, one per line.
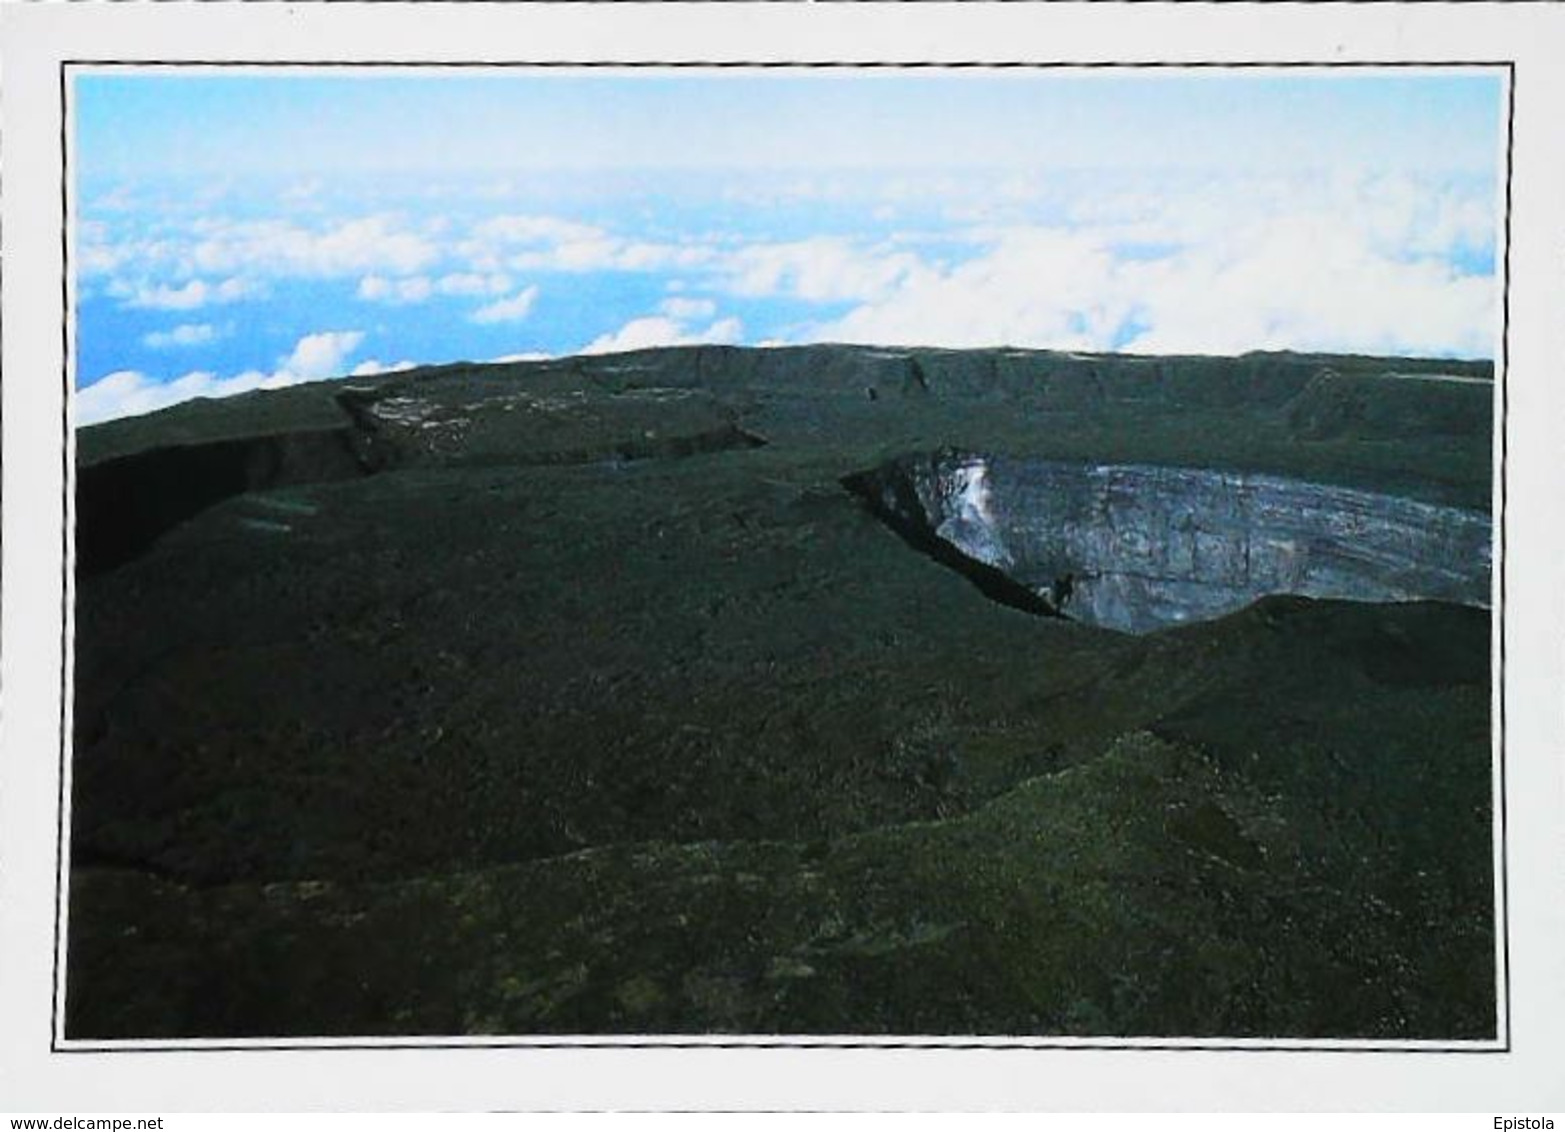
point(722, 536)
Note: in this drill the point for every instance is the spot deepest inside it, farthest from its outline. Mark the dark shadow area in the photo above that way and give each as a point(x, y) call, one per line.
point(124, 505)
point(993, 583)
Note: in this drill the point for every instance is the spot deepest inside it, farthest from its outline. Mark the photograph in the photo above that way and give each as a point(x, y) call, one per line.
point(672, 553)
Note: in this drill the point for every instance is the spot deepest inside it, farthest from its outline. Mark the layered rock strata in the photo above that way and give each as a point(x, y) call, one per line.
point(1137, 548)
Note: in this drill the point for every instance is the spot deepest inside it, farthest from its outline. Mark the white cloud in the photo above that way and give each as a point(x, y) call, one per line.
point(419, 288)
point(532, 356)
point(1029, 287)
point(304, 190)
point(164, 264)
point(514, 309)
point(372, 368)
point(688, 308)
point(321, 355)
point(186, 334)
point(1191, 262)
point(473, 283)
point(191, 296)
point(660, 330)
point(121, 198)
point(359, 246)
point(535, 230)
point(123, 393)
point(822, 269)
point(128, 393)
point(1308, 283)
point(98, 253)
point(609, 253)
point(379, 289)
point(549, 243)
point(1350, 264)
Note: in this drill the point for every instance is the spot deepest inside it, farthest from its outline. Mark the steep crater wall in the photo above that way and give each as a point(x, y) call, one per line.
point(1138, 548)
point(124, 504)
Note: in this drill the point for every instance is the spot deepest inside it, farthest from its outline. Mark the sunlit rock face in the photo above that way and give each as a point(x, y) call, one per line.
point(1147, 547)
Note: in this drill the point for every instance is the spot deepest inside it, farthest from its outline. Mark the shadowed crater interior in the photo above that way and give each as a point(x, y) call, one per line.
point(1137, 547)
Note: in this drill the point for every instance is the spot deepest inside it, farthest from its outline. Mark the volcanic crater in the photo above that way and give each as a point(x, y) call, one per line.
point(1140, 547)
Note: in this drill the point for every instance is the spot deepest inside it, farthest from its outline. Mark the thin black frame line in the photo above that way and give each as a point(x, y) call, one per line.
point(795, 65)
point(990, 3)
point(985, 3)
point(1505, 384)
point(1026, 1045)
point(1033, 3)
point(1503, 927)
point(67, 596)
point(1011, 3)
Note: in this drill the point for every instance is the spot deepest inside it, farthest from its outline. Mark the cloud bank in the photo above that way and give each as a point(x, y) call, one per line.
point(128, 393)
point(1397, 263)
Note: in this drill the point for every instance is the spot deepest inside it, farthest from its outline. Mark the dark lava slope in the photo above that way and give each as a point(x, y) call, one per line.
point(584, 697)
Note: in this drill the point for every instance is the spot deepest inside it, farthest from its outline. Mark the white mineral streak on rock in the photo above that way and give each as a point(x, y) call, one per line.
point(1446, 378)
point(969, 522)
point(401, 410)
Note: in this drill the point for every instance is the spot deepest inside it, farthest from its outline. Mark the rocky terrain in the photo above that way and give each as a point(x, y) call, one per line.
point(714, 690)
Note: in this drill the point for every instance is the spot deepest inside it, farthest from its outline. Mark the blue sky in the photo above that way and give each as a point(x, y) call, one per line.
point(236, 230)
